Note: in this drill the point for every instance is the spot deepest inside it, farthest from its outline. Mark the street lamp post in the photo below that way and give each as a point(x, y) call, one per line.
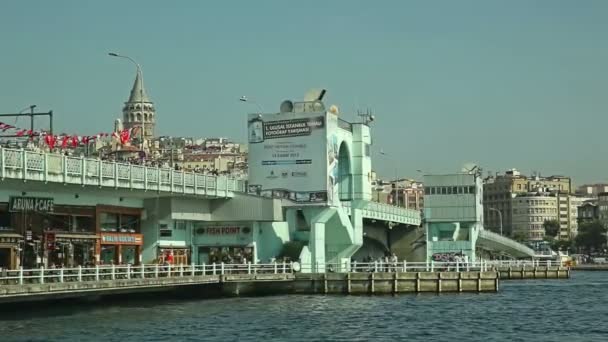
point(141, 95)
point(246, 99)
point(499, 216)
point(396, 199)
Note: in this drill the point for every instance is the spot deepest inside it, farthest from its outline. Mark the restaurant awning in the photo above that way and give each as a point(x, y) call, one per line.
point(76, 236)
point(10, 235)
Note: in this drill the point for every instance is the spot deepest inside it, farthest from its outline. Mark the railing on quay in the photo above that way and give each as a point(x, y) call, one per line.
point(50, 167)
point(433, 266)
point(112, 272)
point(98, 273)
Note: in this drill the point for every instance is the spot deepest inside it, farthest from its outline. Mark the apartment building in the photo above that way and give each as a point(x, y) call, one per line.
point(499, 191)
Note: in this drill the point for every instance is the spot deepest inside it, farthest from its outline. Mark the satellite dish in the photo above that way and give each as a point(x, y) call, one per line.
point(314, 95)
point(286, 106)
point(469, 168)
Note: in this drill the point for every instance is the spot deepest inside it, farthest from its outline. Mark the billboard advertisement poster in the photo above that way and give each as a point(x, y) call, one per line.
point(332, 159)
point(287, 156)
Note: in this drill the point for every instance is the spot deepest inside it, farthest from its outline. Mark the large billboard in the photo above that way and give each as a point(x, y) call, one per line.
point(288, 156)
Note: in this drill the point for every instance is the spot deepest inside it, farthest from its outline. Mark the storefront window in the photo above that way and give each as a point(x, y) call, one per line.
point(227, 255)
point(129, 223)
point(108, 222)
point(83, 224)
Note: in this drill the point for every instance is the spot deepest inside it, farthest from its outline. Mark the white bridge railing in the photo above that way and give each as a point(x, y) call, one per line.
point(101, 273)
point(98, 273)
point(50, 167)
point(381, 211)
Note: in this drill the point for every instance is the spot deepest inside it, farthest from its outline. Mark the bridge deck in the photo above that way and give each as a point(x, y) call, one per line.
point(56, 168)
point(385, 212)
point(497, 242)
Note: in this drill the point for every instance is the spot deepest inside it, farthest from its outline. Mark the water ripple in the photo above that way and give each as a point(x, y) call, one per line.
point(548, 310)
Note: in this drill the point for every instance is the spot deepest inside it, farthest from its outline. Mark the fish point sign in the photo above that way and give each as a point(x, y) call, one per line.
point(33, 204)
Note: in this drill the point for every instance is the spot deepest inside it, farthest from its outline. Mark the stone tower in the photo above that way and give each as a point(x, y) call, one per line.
point(139, 111)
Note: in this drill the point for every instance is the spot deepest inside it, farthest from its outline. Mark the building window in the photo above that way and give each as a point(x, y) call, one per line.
point(180, 225)
point(109, 222)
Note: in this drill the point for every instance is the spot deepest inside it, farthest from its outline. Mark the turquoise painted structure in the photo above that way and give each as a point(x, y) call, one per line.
point(331, 158)
point(453, 214)
point(453, 217)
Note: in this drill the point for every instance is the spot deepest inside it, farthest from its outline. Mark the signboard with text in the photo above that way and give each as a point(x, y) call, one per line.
point(31, 204)
point(121, 239)
point(287, 156)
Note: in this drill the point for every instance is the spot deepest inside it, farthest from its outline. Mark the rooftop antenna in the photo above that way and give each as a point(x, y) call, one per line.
point(366, 116)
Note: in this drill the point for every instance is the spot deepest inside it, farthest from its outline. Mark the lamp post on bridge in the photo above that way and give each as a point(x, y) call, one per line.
point(141, 96)
point(499, 216)
point(395, 187)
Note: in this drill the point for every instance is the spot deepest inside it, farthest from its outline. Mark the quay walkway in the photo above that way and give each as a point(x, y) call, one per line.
point(276, 278)
point(29, 166)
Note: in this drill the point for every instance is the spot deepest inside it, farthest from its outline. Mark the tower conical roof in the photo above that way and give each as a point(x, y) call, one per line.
point(138, 93)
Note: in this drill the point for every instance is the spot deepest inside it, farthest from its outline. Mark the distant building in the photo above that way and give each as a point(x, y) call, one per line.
point(592, 190)
point(405, 193)
point(602, 205)
point(500, 189)
point(530, 211)
point(588, 211)
point(139, 110)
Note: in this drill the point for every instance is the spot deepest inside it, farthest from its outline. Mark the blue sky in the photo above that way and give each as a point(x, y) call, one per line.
point(505, 84)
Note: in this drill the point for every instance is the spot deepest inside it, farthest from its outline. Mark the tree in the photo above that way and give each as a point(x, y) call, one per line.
point(520, 236)
point(563, 245)
point(591, 236)
point(551, 228)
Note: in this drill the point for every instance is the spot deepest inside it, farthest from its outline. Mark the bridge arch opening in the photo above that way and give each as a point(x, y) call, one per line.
point(345, 178)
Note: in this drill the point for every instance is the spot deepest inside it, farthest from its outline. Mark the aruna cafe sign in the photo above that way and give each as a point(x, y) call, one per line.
point(32, 204)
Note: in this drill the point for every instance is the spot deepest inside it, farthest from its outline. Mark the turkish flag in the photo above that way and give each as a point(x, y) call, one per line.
point(64, 141)
point(125, 136)
point(50, 141)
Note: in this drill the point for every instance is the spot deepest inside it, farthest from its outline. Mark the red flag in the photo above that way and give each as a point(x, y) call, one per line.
point(64, 141)
point(75, 141)
point(125, 136)
point(21, 132)
point(50, 141)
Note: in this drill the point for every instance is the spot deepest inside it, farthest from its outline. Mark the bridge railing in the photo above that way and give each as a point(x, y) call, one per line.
point(431, 266)
point(505, 241)
point(101, 273)
point(51, 167)
point(112, 272)
point(380, 209)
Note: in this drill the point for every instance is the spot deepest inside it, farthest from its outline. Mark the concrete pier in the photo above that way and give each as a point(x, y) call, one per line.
point(590, 267)
point(262, 284)
point(372, 283)
point(533, 272)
